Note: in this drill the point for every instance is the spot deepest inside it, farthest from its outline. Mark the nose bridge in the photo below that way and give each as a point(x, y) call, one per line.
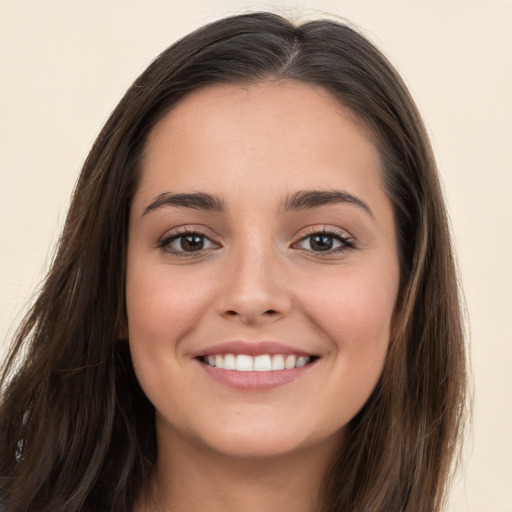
point(253, 288)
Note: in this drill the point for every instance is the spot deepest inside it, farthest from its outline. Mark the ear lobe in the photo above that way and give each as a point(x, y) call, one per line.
point(122, 334)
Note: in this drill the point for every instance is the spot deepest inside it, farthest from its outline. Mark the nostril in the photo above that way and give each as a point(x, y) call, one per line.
point(269, 312)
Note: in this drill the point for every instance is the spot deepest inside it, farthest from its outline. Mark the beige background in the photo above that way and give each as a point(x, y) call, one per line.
point(65, 63)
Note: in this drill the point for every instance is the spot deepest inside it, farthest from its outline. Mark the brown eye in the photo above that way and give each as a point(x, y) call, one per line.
point(184, 244)
point(325, 242)
point(191, 243)
point(321, 242)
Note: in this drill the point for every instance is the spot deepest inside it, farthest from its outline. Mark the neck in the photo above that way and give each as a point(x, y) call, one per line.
point(189, 478)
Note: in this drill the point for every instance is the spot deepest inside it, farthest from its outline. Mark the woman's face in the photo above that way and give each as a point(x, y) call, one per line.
point(262, 270)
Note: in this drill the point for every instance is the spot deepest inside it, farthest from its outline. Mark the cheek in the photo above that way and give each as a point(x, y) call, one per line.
point(162, 307)
point(162, 304)
point(355, 316)
point(354, 311)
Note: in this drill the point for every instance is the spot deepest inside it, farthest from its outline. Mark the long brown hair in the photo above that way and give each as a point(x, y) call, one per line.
point(76, 431)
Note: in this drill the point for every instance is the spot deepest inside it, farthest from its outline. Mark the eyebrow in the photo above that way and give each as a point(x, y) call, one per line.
point(302, 200)
point(195, 200)
point(305, 199)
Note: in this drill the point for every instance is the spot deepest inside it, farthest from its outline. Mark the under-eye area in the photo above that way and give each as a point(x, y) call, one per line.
point(260, 363)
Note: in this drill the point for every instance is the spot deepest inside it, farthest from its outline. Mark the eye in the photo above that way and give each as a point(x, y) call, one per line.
point(186, 243)
point(325, 241)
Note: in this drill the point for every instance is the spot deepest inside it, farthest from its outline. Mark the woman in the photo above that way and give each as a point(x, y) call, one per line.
point(254, 303)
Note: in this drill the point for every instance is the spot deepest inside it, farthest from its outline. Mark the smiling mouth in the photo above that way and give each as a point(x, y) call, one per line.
point(260, 363)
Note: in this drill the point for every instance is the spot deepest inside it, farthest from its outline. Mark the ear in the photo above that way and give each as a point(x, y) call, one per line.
point(122, 333)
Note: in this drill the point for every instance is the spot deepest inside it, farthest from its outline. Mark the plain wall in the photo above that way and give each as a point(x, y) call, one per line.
point(65, 64)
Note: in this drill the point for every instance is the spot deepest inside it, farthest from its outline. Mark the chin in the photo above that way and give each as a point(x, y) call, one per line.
point(255, 447)
point(265, 441)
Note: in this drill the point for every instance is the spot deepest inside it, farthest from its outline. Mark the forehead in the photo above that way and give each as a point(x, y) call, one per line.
point(277, 133)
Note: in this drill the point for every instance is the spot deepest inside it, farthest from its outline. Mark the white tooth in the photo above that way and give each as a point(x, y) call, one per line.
point(278, 362)
point(229, 362)
point(290, 362)
point(211, 360)
point(262, 363)
point(219, 361)
point(301, 361)
point(244, 363)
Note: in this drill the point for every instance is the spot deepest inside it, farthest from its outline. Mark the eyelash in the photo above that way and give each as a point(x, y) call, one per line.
point(164, 243)
point(347, 242)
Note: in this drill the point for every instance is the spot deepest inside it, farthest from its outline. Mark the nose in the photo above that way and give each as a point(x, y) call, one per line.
point(254, 287)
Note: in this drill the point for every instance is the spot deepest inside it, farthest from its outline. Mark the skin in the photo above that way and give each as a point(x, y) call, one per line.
point(257, 277)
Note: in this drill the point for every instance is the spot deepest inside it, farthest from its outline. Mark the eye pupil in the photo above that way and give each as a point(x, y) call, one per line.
point(321, 242)
point(192, 243)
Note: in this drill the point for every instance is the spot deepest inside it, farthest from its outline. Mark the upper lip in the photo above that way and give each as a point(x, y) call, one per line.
point(250, 349)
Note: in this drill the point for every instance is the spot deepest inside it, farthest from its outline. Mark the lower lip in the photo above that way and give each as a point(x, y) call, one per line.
point(255, 381)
